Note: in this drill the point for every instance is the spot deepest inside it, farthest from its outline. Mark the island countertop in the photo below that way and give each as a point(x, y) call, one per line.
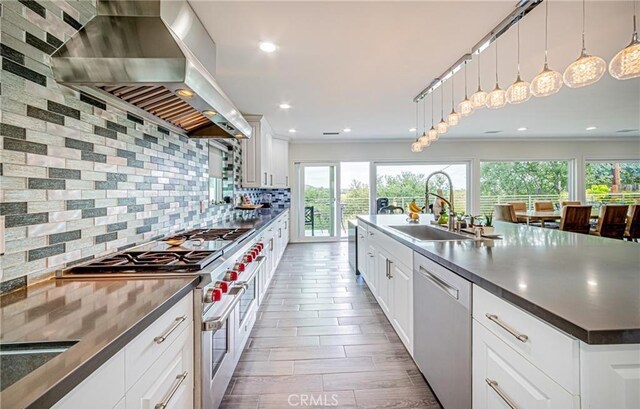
point(587, 286)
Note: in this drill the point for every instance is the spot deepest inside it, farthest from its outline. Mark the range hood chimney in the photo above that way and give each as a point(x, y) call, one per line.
point(157, 56)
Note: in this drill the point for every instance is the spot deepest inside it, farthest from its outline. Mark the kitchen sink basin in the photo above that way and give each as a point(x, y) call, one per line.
point(428, 233)
point(19, 359)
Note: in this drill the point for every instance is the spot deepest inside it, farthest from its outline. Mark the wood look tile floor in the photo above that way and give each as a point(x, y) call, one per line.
point(321, 340)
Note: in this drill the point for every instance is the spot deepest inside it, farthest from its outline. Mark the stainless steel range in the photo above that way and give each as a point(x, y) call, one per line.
point(229, 263)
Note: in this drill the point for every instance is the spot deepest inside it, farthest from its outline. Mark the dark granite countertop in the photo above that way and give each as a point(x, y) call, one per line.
point(585, 285)
point(102, 315)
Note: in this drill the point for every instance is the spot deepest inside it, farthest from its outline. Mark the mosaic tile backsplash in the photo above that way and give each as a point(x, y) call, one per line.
point(81, 178)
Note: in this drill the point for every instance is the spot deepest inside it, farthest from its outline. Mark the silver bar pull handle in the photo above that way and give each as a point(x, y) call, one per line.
point(446, 287)
point(180, 378)
point(520, 337)
point(494, 385)
point(176, 324)
point(215, 323)
point(265, 178)
point(389, 263)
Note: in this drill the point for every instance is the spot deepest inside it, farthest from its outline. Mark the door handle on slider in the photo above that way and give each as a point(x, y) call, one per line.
point(494, 385)
point(520, 337)
point(180, 378)
point(176, 324)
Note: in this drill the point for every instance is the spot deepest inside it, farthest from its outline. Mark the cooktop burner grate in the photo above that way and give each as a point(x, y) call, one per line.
point(151, 261)
point(213, 234)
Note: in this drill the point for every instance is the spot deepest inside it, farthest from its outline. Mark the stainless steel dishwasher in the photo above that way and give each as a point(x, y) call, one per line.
point(442, 331)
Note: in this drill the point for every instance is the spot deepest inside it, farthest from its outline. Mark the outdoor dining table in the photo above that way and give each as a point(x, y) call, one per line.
point(542, 217)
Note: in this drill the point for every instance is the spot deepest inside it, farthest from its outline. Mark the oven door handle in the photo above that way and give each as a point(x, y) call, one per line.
point(215, 323)
point(246, 282)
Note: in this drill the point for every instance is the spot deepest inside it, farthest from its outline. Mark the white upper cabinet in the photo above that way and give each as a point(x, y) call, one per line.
point(280, 163)
point(265, 160)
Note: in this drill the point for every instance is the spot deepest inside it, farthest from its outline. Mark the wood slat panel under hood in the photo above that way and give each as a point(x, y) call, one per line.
point(164, 104)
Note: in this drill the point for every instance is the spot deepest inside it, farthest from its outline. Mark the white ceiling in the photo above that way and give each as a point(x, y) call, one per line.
point(359, 65)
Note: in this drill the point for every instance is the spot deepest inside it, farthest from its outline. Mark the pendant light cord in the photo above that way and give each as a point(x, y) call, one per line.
point(424, 116)
point(496, 61)
point(583, 20)
point(518, 30)
point(432, 104)
point(546, 30)
point(416, 120)
point(465, 80)
point(452, 91)
point(441, 100)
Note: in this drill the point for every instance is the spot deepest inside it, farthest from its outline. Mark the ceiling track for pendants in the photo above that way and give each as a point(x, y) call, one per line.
point(161, 102)
point(523, 8)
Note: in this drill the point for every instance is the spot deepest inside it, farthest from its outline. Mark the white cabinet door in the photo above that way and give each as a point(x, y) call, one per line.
point(280, 163)
point(371, 271)
point(502, 378)
point(169, 380)
point(402, 311)
point(256, 154)
point(363, 248)
point(383, 284)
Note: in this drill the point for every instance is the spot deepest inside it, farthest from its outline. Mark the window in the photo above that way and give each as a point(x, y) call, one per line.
point(354, 191)
point(402, 183)
point(612, 181)
point(530, 182)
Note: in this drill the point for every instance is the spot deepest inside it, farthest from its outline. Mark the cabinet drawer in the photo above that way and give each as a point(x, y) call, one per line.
point(502, 378)
point(147, 347)
point(397, 251)
point(169, 380)
point(103, 388)
point(553, 352)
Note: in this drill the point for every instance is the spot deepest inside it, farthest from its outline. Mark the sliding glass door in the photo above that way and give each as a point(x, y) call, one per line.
point(319, 211)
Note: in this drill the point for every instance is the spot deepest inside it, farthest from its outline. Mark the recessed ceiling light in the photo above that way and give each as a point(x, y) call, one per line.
point(268, 47)
point(210, 112)
point(292, 130)
point(522, 128)
point(412, 130)
point(591, 128)
point(346, 130)
point(285, 106)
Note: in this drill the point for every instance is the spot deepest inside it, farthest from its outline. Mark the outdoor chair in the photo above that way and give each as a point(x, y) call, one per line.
point(576, 219)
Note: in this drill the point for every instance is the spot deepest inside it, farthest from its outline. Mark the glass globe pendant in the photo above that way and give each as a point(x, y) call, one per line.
point(548, 82)
point(442, 126)
point(479, 98)
point(587, 69)
point(496, 98)
point(453, 118)
point(465, 107)
point(626, 64)
point(416, 147)
point(519, 91)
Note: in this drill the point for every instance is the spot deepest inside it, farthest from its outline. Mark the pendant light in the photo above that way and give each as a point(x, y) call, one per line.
point(424, 139)
point(479, 98)
point(465, 107)
point(454, 118)
point(519, 91)
point(587, 69)
point(496, 98)
point(442, 126)
point(626, 64)
point(432, 134)
point(548, 82)
point(416, 147)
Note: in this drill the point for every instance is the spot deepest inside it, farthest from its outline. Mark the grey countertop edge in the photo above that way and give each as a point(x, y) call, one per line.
point(593, 337)
point(83, 371)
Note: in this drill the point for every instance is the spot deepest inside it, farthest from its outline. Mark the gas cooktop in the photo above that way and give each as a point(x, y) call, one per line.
point(213, 234)
point(151, 261)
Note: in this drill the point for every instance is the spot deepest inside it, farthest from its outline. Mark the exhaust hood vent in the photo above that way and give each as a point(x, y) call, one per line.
point(330, 133)
point(157, 56)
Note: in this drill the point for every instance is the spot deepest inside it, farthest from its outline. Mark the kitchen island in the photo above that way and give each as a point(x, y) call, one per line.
point(569, 304)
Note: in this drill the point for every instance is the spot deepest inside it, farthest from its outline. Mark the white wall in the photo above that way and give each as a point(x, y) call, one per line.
point(472, 151)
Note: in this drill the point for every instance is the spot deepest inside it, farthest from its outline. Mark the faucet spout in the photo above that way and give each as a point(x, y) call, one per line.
point(452, 222)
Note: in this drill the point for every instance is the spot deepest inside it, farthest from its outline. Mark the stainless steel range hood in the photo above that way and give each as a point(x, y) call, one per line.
point(157, 56)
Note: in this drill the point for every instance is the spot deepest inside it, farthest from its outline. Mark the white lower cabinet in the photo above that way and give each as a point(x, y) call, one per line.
point(169, 380)
point(155, 367)
point(384, 286)
point(370, 275)
point(402, 289)
point(502, 378)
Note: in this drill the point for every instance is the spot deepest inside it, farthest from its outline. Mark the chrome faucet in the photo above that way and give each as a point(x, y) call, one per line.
point(452, 218)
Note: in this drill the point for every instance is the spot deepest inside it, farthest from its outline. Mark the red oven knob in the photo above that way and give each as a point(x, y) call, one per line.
point(255, 253)
point(231, 276)
point(248, 258)
point(223, 286)
point(212, 295)
point(261, 246)
point(240, 267)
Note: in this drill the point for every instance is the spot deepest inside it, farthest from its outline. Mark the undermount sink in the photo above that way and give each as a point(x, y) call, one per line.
point(21, 358)
point(428, 233)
